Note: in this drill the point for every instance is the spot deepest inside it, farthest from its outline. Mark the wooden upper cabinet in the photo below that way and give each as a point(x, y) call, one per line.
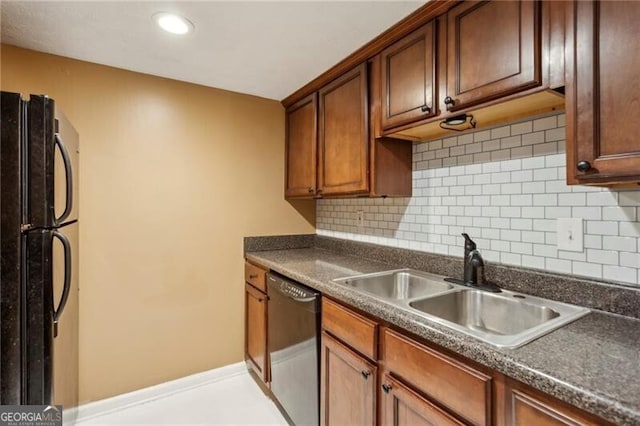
point(343, 137)
point(301, 143)
point(409, 78)
point(493, 50)
point(603, 92)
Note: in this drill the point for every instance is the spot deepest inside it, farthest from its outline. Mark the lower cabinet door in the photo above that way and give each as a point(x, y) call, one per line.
point(348, 386)
point(256, 331)
point(527, 408)
point(402, 406)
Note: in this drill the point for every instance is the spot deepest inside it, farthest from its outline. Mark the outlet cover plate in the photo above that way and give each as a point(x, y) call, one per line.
point(570, 234)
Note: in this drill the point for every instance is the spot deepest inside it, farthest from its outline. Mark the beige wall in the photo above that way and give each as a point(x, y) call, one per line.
point(173, 176)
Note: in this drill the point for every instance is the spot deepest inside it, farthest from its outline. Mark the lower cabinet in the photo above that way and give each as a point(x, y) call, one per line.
point(400, 405)
point(419, 384)
point(525, 406)
point(348, 383)
point(255, 333)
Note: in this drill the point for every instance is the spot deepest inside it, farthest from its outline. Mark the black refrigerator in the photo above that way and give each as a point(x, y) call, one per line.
point(39, 254)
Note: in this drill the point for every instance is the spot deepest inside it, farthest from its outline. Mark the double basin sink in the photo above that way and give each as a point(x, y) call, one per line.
point(504, 319)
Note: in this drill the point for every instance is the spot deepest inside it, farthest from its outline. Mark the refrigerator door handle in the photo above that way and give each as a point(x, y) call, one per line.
point(69, 178)
point(67, 280)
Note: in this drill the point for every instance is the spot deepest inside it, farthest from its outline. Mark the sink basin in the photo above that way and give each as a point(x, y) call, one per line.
point(486, 312)
point(506, 319)
point(398, 285)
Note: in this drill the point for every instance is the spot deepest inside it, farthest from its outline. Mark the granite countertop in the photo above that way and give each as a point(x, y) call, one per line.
point(592, 363)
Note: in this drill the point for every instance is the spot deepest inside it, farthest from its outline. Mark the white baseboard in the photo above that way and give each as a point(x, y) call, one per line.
point(120, 402)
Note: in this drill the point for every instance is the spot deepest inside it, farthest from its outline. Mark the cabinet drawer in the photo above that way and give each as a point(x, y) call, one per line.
point(355, 330)
point(462, 389)
point(255, 276)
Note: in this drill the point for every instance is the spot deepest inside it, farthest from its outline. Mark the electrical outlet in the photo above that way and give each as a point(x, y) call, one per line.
point(360, 218)
point(570, 234)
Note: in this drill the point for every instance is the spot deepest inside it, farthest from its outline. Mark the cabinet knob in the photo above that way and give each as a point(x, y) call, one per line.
point(310, 190)
point(425, 108)
point(386, 388)
point(583, 166)
point(253, 276)
point(448, 101)
point(365, 374)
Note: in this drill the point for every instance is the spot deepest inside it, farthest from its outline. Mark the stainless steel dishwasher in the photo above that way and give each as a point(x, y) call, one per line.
point(294, 348)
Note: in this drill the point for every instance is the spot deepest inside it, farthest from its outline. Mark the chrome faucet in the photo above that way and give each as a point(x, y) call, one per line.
point(474, 267)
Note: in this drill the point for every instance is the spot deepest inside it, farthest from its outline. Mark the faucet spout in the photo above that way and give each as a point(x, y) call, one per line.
point(474, 269)
point(474, 275)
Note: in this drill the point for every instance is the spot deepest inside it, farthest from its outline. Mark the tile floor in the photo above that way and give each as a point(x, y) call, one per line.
point(231, 401)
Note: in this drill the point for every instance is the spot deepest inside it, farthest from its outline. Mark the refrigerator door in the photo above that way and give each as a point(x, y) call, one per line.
point(38, 326)
point(66, 168)
point(52, 316)
point(65, 343)
point(52, 166)
point(13, 111)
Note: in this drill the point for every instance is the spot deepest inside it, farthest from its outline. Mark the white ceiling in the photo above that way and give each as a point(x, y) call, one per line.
point(263, 48)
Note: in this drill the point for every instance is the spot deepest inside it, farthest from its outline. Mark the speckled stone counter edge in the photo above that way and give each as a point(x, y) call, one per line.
point(279, 242)
point(465, 346)
point(609, 297)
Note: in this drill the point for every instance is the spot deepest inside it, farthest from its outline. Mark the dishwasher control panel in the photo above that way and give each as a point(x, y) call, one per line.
point(295, 291)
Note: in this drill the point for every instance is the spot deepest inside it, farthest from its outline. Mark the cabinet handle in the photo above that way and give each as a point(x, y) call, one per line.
point(583, 166)
point(310, 190)
point(448, 101)
point(386, 388)
point(365, 374)
point(425, 108)
point(253, 276)
point(260, 299)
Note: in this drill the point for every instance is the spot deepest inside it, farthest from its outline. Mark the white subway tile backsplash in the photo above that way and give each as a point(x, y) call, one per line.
point(604, 198)
point(558, 265)
point(505, 187)
point(629, 198)
point(520, 128)
point(619, 243)
point(620, 273)
point(592, 270)
point(545, 123)
point(626, 214)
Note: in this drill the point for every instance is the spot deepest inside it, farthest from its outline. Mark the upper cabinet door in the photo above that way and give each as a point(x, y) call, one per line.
point(409, 78)
point(343, 135)
point(493, 50)
point(301, 143)
point(603, 92)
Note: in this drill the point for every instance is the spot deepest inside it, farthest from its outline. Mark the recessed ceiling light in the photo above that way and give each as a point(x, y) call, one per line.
point(173, 23)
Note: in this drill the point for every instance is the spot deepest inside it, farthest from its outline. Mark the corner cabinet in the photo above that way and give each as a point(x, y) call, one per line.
point(301, 147)
point(255, 333)
point(331, 144)
point(493, 50)
point(602, 93)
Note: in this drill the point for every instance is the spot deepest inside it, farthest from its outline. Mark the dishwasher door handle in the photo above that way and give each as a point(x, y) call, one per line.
point(301, 299)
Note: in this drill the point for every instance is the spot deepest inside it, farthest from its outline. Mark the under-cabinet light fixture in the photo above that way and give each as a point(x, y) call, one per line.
point(455, 123)
point(172, 23)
